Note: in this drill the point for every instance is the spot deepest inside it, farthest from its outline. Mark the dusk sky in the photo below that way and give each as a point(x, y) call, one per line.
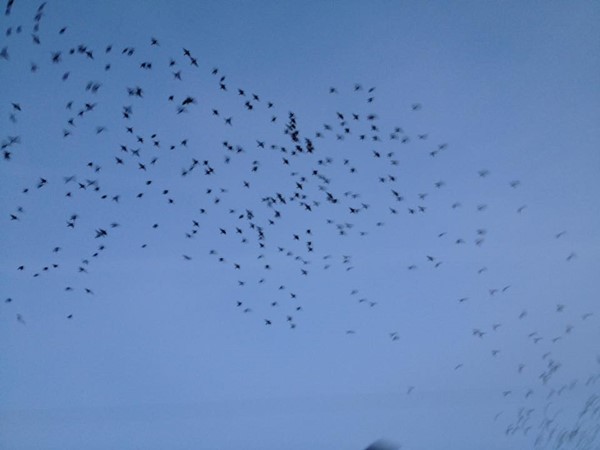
point(289, 225)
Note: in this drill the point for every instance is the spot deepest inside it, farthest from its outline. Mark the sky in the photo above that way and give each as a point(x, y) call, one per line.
point(352, 221)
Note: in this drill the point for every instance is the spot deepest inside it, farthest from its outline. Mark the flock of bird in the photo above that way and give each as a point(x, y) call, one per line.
point(273, 212)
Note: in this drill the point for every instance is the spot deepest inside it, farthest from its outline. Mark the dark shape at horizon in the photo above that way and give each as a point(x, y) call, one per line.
point(382, 444)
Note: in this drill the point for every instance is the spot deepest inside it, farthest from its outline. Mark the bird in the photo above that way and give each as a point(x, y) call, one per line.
point(280, 204)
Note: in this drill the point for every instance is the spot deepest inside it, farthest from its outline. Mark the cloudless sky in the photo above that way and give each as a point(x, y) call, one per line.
point(449, 297)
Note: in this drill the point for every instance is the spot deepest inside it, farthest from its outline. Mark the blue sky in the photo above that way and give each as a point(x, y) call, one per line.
point(158, 354)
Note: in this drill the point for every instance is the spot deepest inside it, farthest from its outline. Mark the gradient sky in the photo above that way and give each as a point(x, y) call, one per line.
point(159, 355)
